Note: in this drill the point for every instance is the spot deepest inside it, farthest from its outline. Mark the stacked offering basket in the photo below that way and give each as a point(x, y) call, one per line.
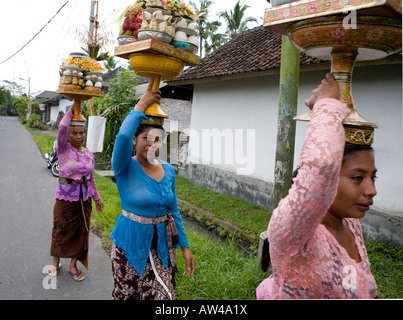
point(157, 60)
point(78, 89)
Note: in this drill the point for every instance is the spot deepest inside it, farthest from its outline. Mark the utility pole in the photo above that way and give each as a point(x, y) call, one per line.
point(92, 15)
point(93, 37)
point(29, 98)
point(289, 81)
point(93, 20)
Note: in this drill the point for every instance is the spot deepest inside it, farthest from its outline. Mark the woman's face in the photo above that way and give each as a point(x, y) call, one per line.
point(356, 186)
point(76, 136)
point(148, 143)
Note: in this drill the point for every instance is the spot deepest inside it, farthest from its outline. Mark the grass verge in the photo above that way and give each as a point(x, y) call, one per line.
point(45, 142)
point(248, 216)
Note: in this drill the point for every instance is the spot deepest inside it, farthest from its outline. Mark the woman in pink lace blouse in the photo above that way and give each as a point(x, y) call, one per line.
point(317, 248)
point(73, 206)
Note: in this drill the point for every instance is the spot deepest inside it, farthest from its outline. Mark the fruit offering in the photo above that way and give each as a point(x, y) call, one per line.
point(169, 21)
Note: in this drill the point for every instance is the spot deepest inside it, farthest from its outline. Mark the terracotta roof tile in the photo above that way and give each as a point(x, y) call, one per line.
point(50, 95)
point(257, 49)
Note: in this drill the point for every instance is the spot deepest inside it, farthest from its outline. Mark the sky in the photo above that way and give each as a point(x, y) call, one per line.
point(37, 64)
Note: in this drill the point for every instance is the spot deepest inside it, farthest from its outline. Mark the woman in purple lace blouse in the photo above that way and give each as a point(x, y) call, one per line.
point(73, 205)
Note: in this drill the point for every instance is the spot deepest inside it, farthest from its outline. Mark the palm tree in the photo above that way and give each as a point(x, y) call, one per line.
point(235, 20)
point(110, 63)
point(203, 23)
point(216, 39)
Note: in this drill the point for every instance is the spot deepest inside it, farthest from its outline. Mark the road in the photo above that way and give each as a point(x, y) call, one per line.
point(27, 191)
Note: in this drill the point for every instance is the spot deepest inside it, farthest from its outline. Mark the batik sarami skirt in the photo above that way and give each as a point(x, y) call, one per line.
point(157, 282)
point(70, 234)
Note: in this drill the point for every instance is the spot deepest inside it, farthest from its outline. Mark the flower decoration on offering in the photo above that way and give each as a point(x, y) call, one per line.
point(161, 4)
point(184, 10)
point(81, 73)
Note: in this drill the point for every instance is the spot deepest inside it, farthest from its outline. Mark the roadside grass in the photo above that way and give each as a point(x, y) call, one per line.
point(45, 142)
point(387, 268)
point(248, 216)
point(223, 271)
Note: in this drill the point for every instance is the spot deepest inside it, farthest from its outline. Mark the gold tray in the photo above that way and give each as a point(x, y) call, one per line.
point(158, 47)
point(79, 94)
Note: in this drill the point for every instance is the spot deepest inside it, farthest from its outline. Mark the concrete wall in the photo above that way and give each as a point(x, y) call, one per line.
point(179, 112)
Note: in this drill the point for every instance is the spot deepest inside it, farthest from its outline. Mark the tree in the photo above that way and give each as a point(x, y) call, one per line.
point(209, 38)
point(203, 24)
point(5, 97)
point(215, 39)
point(15, 88)
point(6, 103)
point(110, 63)
point(116, 104)
point(21, 104)
point(235, 21)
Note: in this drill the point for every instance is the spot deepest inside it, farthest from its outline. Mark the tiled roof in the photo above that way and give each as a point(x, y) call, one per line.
point(257, 49)
point(50, 95)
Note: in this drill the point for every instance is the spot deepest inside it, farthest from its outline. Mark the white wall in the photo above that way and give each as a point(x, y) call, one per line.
point(230, 105)
point(64, 105)
point(253, 104)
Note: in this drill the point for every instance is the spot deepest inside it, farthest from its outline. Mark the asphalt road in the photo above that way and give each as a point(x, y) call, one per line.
point(27, 191)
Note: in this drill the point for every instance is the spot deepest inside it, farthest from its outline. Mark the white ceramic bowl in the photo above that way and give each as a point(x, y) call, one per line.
point(180, 36)
point(192, 25)
point(144, 34)
point(193, 40)
point(181, 23)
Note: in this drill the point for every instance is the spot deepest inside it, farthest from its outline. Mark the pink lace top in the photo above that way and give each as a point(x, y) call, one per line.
point(74, 165)
point(307, 260)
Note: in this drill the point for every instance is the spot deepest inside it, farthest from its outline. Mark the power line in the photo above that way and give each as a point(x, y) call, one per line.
point(36, 33)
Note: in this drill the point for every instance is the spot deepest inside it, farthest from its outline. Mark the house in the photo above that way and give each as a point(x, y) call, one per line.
point(233, 129)
point(108, 76)
point(52, 104)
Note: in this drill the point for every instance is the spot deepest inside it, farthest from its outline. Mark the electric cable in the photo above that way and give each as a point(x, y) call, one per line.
point(36, 33)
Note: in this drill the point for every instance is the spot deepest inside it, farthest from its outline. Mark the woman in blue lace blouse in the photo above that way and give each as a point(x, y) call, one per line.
point(150, 227)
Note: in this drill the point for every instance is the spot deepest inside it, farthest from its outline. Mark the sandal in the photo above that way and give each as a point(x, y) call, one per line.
point(53, 271)
point(76, 276)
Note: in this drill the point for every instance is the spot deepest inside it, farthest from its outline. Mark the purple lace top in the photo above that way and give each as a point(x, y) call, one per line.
point(74, 165)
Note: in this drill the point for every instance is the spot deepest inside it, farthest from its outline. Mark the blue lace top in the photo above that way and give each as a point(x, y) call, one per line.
point(143, 196)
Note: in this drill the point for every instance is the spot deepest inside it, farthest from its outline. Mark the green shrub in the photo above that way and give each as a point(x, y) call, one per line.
point(35, 121)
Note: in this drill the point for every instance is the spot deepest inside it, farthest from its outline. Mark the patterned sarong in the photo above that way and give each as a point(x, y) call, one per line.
point(70, 232)
point(157, 283)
